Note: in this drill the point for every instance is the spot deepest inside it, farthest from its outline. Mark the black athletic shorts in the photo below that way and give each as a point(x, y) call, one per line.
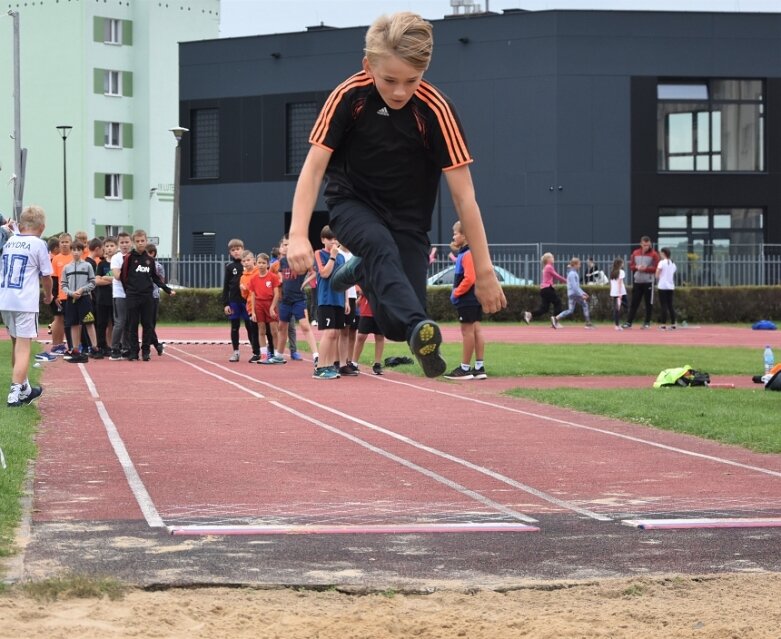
point(470, 314)
point(330, 317)
point(368, 326)
point(79, 311)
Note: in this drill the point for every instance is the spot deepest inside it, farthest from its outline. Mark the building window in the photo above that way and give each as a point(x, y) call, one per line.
point(205, 143)
point(112, 82)
point(300, 119)
point(711, 125)
point(704, 230)
point(112, 31)
point(113, 182)
point(113, 230)
point(113, 135)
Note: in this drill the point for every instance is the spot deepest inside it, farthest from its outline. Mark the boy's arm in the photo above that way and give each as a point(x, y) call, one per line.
point(299, 251)
point(90, 286)
point(252, 305)
point(159, 281)
point(487, 289)
point(46, 284)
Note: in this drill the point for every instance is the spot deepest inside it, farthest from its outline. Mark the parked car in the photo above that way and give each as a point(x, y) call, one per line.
point(445, 277)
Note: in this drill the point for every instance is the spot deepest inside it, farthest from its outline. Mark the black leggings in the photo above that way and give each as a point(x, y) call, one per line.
point(548, 296)
point(666, 300)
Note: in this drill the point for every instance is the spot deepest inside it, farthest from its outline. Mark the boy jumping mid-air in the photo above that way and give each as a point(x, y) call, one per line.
point(382, 140)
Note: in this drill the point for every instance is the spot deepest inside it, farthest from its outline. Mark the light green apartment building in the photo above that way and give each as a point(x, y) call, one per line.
point(109, 69)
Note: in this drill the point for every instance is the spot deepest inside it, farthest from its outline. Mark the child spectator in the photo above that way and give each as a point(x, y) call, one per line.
point(233, 303)
point(120, 337)
point(349, 332)
point(548, 293)
point(617, 290)
point(250, 271)
point(138, 276)
point(575, 295)
point(78, 282)
point(292, 307)
point(367, 326)
point(83, 238)
point(470, 313)
point(665, 273)
point(104, 299)
point(263, 290)
point(25, 263)
point(151, 249)
point(59, 260)
point(330, 306)
point(383, 139)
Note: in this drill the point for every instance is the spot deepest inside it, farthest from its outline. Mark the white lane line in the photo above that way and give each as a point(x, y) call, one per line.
point(565, 422)
point(703, 522)
point(134, 480)
point(565, 505)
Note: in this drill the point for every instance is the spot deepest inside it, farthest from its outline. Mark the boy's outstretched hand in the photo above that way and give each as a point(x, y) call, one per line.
point(490, 294)
point(300, 255)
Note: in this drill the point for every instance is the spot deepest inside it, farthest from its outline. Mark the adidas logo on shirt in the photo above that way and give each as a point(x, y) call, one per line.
point(383, 111)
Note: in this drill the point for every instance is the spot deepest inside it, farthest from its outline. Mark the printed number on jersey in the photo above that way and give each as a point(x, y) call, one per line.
point(14, 268)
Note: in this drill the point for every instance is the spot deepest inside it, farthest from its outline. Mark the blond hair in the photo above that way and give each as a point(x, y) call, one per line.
point(546, 257)
point(404, 34)
point(32, 218)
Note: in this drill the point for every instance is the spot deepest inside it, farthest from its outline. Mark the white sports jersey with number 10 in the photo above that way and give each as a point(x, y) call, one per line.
point(25, 258)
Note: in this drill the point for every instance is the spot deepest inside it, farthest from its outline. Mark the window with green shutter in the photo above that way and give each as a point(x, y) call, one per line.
point(97, 29)
point(127, 84)
point(127, 135)
point(127, 33)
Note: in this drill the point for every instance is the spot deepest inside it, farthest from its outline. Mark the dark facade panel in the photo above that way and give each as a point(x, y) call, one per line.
point(559, 109)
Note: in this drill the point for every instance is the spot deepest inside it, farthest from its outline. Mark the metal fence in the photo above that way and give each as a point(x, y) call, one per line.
point(710, 265)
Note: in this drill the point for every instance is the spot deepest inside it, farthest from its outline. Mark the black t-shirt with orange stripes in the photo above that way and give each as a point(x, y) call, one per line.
point(389, 159)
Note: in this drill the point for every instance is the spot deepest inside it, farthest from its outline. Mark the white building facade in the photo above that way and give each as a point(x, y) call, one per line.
point(109, 69)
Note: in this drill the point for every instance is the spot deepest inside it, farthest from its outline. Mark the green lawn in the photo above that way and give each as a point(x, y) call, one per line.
point(513, 360)
point(17, 429)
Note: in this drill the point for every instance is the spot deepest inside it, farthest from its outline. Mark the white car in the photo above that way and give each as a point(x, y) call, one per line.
point(445, 277)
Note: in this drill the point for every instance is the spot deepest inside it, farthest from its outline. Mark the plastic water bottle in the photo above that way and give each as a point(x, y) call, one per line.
point(770, 361)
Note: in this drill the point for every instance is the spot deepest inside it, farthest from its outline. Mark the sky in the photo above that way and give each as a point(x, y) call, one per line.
point(256, 17)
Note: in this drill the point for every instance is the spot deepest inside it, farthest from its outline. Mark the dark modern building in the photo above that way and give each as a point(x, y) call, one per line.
point(587, 127)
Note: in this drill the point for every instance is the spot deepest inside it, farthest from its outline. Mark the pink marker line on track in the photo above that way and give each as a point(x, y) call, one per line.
point(380, 529)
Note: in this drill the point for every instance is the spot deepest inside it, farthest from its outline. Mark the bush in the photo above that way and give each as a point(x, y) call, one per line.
point(705, 305)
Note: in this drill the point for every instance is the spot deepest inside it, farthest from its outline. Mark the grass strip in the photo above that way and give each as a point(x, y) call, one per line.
point(17, 432)
point(743, 417)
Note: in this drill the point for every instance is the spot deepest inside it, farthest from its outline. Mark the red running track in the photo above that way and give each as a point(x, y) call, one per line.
point(205, 442)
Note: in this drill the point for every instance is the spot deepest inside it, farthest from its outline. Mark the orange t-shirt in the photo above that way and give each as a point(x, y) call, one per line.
point(59, 262)
point(246, 276)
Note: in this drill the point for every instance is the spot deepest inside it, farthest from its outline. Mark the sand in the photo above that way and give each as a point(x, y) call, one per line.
point(728, 606)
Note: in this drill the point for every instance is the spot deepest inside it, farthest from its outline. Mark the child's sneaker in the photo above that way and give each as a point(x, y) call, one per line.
point(348, 371)
point(16, 398)
point(554, 322)
point(620, 328)
point(254, 359)
point(234, 358)
point(460, 373)
point(377, 368)
point(326, 372)
point(60, 349)
point(277, 359)
point(527, 317)
point(353, 365)
point(296, 356)
point(96, 353)
point(424, 343)
point(160, 349)
point(115, 356)
point(589, 325)
point(45, 357)
point(479, 373)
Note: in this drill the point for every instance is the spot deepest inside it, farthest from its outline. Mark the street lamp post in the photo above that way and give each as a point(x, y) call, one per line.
point(178, 132)
point(64, 130)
